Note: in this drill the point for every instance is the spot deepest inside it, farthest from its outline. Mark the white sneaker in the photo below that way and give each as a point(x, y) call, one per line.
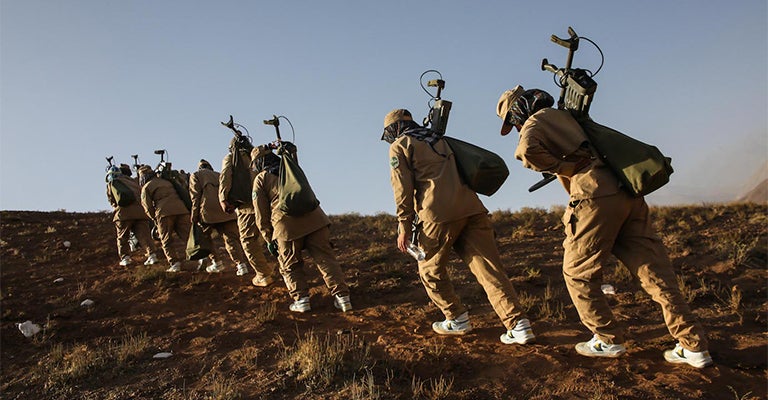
point(680, 355)
point(242, 269)
point(342, 303)
point(151, 260)
point(597, 348)
point(300, 305)
point(520, 334)
point(213, 268)
point(458, 326)
point(125, 261)
point(176, 267)
point(262, 280)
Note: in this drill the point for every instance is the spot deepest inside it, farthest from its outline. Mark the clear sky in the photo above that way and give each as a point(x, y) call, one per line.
point(82, 80)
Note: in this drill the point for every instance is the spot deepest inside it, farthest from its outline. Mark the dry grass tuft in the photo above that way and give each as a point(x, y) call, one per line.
point(318, 361)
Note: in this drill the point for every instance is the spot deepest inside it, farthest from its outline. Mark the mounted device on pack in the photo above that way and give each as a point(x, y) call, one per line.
point(439, 109)
point(296, 196)
point(577, 88)
point(482, 170)
point(640, 167)
point(136, 163)
point(165, 171)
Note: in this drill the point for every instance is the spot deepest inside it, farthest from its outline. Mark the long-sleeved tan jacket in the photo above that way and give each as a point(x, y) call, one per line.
point(552, 141)
point(427, 182)
point(225, 181)
point(204, 191)
point(160, 199)
point(131, 211)
point(273, 223)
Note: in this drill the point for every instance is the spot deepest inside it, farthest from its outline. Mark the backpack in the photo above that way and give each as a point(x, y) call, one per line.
point(482, 170)
point(123, 195)
point(640, 167)
point(180, 184)
point(240, 192)
point(295, 197)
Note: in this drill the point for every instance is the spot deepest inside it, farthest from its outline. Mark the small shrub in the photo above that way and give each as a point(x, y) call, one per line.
point(319, 361)
point(364, 388)
point(223, 388)
point(264, 313)
point(130, 347)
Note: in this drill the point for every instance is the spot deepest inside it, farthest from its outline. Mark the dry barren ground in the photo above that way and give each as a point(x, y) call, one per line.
point(231, 340)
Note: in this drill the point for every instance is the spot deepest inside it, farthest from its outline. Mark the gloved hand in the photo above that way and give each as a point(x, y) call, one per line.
point(272, 247)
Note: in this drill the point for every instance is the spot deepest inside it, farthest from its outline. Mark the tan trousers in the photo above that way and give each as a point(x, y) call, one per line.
point(230, 234)
point(168, 225)
point(253, 244)
point(474, 241)
point(140, 228)
point(318, 244)
point(619, 225)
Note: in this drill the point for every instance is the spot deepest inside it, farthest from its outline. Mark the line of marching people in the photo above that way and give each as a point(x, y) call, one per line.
point(246, 228)
point(601, 221)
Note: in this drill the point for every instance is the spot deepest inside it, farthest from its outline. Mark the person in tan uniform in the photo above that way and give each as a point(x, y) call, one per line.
point(426, 182)
point(130, 218)
point(601, 220)
point(207, 211)
point(164, 206)
point(246, 221)
point(287, 236)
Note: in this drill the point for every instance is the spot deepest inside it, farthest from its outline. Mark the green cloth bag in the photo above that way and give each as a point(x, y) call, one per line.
point(296, 197)
point(122, 193)
point(640, 167)
point(482, 170)
point(198, 244)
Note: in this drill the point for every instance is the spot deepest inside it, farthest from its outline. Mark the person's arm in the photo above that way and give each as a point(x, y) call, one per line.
point(111, 196)
point(196, 194)
point(225, 183)
point(147, 203)
point(262, 204)
point(403, 186)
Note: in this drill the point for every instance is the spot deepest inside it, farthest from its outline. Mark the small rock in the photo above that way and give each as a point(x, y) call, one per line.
point(86, 303)
point(58, 280)
point(28, 329)
point(162, 355)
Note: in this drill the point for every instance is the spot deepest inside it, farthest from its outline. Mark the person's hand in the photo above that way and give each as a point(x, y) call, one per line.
point(403, 242)
point(272, 247)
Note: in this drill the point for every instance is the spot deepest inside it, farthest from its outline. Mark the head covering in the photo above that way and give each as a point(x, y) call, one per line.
point(395, 123)
point(516, 105)
point(259, 151)
point(125, 169)
point(263, 158)
point(396, 115)
point(204, 164)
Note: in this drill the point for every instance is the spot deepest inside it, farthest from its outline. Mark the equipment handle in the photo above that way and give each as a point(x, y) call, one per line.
point(275, 121)
point(543, 182)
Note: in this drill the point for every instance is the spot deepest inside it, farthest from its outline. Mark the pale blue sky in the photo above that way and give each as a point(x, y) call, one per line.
point(83, 80)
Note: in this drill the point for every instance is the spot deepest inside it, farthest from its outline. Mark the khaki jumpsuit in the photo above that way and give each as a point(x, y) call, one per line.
point(603, 220)
point(294, 234)
point(131, 218)
point(204, 191)
point(251, 241)
point(427, 182)
point(163, 205)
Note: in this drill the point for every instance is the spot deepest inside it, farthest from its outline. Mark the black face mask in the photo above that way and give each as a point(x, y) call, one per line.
point(396, 129)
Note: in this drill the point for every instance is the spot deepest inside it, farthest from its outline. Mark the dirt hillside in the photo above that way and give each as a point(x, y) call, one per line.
point(231, 340)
